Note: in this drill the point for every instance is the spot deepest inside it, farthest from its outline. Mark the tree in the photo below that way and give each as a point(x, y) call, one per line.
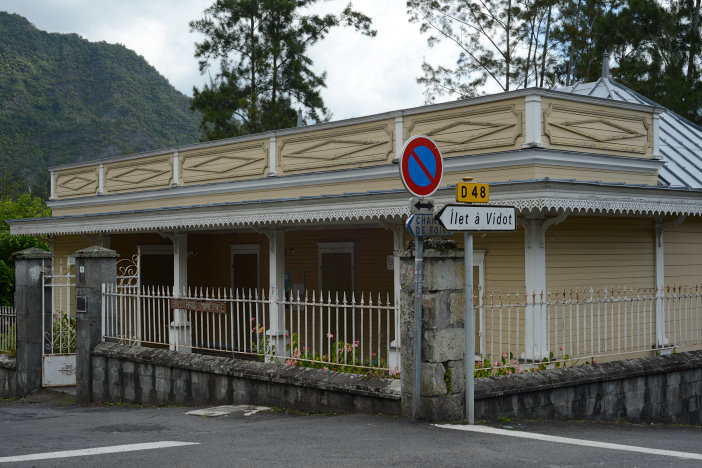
point(259, 48)
point(26, 206)
point(652, 46)
point(501, 42)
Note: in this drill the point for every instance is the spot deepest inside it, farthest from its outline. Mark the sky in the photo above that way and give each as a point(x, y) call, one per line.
point(364, 75)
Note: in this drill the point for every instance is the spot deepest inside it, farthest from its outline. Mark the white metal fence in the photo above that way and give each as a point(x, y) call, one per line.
point(313, 331)
point(8, 336)
point(519, 331)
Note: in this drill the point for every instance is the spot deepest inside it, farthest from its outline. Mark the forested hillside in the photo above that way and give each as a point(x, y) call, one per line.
point(64, 99)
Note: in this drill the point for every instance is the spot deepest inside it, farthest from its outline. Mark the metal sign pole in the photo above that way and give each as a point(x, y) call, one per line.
point(418, 273)
point(469, 326)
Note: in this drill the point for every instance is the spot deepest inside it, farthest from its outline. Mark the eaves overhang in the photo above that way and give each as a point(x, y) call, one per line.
point(391, 206)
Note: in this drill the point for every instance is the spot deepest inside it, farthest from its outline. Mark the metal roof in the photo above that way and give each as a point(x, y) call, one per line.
point(680, 139)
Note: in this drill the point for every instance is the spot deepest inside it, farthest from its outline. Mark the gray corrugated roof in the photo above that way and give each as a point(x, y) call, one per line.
point(680, 139)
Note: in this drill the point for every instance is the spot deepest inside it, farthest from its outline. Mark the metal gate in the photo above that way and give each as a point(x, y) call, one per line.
point(59, 323)
point(126, 311)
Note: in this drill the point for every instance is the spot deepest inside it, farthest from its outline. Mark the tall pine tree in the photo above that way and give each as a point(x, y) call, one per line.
point(262, 71)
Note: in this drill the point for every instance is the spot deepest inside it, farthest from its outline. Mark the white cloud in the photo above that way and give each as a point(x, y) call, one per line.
point(364, 75)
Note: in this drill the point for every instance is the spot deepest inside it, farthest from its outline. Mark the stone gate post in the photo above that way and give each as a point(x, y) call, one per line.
point(29, 309)
point(94, 266)
point(442, 362)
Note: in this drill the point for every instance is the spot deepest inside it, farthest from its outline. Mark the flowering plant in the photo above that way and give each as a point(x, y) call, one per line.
point(342, 357)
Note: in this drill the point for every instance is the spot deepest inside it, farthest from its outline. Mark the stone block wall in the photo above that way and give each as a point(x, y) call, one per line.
point(442, 365)
point(8, 377)
point(159, 376)
point(654, 389)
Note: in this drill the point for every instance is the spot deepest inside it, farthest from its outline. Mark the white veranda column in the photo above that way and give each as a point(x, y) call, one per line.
point(179, 332)
point(661, 227)
point(536, 344)
point(276, 333)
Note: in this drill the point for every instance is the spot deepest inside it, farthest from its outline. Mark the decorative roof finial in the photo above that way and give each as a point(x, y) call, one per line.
point(605, 64)
point(299, 118)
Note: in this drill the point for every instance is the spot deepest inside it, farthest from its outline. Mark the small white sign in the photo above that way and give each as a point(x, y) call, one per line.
point(59, 370)
point(425, 225)
point(478, 218)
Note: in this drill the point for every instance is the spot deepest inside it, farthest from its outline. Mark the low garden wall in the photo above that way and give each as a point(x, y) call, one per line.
point(159, 376)
point(8, 377)
point(653, 389)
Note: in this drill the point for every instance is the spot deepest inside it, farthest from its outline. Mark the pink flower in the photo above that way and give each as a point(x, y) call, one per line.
point(373, 355)
point(290, 362)
point(504, 355)
point(356, 344)
point(393, 371)
point(325, 367)
point(509, 371)
point(560, 349)
point(253, 319)
point(329, 335)
point(519, 370)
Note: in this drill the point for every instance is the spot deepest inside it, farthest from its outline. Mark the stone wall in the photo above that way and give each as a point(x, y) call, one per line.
point(159, 376)
point(441, 388)
point(8, 377)
point(654, 389)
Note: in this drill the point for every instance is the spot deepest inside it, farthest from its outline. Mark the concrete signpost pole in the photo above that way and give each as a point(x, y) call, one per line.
point(418, 272)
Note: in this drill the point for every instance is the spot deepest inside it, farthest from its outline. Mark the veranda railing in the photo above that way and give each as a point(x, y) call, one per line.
point(567, 327)
point(333, 332)
point(8, 337)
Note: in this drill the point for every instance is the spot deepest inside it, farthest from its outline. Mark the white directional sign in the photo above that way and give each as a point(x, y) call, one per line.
point(477, 218)
point(424, 225)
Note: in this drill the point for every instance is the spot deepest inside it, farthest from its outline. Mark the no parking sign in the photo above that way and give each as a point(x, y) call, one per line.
point(421, 167)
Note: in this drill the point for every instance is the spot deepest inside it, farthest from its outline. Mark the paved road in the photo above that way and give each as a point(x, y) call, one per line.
point(44, 424)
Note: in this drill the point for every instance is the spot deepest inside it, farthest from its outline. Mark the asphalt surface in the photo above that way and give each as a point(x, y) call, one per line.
point(47, 422)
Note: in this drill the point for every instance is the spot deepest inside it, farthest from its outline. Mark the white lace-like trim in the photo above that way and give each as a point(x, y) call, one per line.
point(388, 208)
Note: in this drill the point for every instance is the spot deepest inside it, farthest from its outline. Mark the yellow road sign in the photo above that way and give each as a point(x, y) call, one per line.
point(472, 193)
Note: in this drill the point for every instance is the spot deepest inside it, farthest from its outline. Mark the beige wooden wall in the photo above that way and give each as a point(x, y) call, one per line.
point(600, 252)
point(67, 245)
point(209, 259)
point(504, 259)
point(683, 253)
point(371, 248)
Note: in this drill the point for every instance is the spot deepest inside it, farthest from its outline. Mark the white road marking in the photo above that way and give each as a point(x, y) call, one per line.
point(568, 440)
point(96, 451)
point(248, 410)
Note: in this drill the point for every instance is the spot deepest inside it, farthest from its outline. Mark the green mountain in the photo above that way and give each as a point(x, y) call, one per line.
point(64, 99)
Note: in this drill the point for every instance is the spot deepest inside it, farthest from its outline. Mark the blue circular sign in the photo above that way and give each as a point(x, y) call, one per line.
point(421, 167)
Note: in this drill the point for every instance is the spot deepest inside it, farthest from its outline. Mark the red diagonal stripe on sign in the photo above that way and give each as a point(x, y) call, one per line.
point(421, 164)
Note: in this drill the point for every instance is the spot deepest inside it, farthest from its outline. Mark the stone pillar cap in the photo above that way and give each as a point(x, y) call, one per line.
point(30, 253)
point(96, 252)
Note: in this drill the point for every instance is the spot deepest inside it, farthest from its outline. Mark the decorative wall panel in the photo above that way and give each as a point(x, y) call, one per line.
point(605, 130)
point(356, 146)
point(224, 163)
point(83, 181)
point(139, 174)
point(460, 131)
